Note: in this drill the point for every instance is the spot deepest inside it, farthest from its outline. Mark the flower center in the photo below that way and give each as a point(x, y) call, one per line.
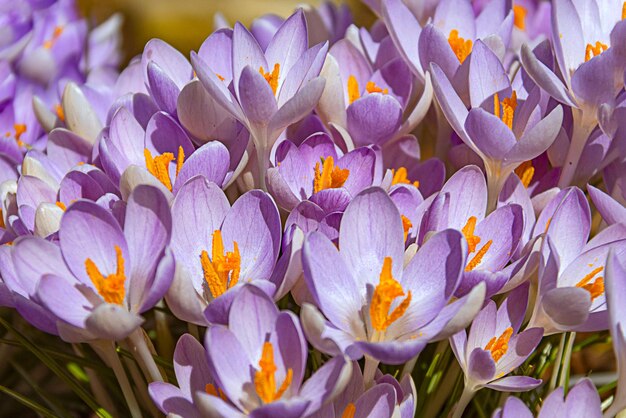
point(271, 78)
point(385, 293)
point(159, 166)
point(594, 50)
point(525, 171)
point(354, 92)
point(461, 47)
point(19, 129)
point(221, 272)
point(265, 379)
point(406, 225)
point(58, 31)
point(596, 288)
point(111, 287)
point(499, 346)
point(400, 177)
point(508, 108)
point(213, 391)
point(472, 243)
point(349, 411)
point(330, 177)
point(519, 16)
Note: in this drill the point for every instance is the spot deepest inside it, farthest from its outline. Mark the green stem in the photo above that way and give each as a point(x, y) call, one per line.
point(193, 330)
point(465, 399)
point(142, 354)
point(557, 364)
point(567, 358)
point(369, 371)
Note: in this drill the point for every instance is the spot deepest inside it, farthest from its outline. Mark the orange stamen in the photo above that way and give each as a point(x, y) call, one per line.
point(461, 47)
point(474, 262)
point(371, 87)
point(271, 78)
point(353, 89)
point(400, 177)
point(596, 288)
point(624, 10)
point(265, 379)
point(508, 108)
point(330, 177)
point(499, 346)
point(349, 411)
point(468, 233)
point(594, 50)
point(20, 129)
point(111, 287)
point(406, 225)
point(221, 272)
point(58, 109)
point(213, 391)
point(2, 224)
point(519, 16)
point(385, 293)
point(159, 165)
point(525, 171)
point(61, 206)
point(58, 31)
point(180, 159)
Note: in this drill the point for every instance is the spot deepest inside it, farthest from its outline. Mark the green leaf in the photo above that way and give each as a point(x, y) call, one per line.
point(40, 409)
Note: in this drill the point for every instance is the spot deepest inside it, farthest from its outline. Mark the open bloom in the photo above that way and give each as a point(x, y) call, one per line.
point(369, 300)
point(495, 346)
point(101, 277)
point(218, 248)
point(502, 130)
point(272, 88)
point(258, 362)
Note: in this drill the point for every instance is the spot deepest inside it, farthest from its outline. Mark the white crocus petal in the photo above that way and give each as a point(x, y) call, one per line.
point(80, 116)
point(134, 175)
point(47, 219)
point(32, 167)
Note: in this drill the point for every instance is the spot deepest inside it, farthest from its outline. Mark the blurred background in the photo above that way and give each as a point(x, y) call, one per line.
point(186, 23)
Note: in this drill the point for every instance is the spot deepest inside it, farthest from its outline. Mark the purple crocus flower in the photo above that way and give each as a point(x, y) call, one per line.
point(582, 401)
point(317, 171)
point(495, 347)
point(272, 88)
point(258, 362)
point(218, 248)
point(611, 210)
point(588, 39)
point(101, 277)
point(501, 130)
point(371, 301)
point(572, 268)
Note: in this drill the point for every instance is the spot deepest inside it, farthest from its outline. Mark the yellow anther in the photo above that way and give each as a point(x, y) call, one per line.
point(499, 346)
point(58, 31)
point(371, 87)
point(159, 166)
point(265, 377)
point(475, 261)
point(58, 109)
point(468, 233)
point(330, 177)
point(271, 78)
point(596, 288)
point(349, 411)
point(20, 129)
point(508, 108)
point(519, 16)
point(400, 177)
point(221, 272)
point(525, 171)
point(213, 391)
point(461, 47)
point(387, 290)
point(61, 206)
point(594, 50)
point(406, 225)
point(111, 287)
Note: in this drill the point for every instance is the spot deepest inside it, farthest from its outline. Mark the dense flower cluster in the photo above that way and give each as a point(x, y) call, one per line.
point(423, 181)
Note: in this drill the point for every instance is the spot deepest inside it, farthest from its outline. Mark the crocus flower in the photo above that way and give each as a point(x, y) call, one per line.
point(220, 248)
point(259, 365)
point(611, 210)
point(505, 135)
point(272, 88)
point(590, 57)
point(495, 347)
point(616, 291)
point(367, 301)
point(582, 401)
point(316, 170)
point(101, 277)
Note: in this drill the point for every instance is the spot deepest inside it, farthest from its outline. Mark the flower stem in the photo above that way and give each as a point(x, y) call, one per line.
point(557, 364)
point(142, 354)
point(193, 330)
point(369, 371)
point(583, 125)
point(106, 349)
point(465, 399)
point(567, 358)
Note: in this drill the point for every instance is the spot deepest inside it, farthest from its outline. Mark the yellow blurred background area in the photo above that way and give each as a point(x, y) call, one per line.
point(186, 23)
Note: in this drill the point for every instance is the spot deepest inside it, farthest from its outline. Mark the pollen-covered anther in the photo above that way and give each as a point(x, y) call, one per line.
point(354, 91)
point(519, 16)
point(159, 166)
point(475, 261)
point(265, 377)
point(594, 50)
point(221, 271)
point(271, 78)
point(400, 176)
point(468, 233)
point(111, 287)
point(58, 109)
point(406, 225)
point(213, 391)
point(61, 206)
point(508, 108)
point(19, 129)
point(387, 290)
point(349, 411)
point(595, 288)
point(525, 171)
point(2, 225)
point(58, 31)
point(624, 10)
point(499, 346)
point(461, 47)
point(330, 176)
